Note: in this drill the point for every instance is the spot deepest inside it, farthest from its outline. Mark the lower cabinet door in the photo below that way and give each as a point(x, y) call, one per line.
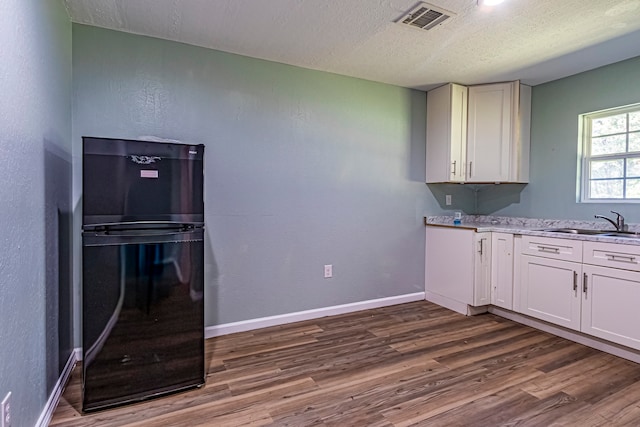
point(502, 270)
point(482, 270)
point(610, 305)
point(551, 290)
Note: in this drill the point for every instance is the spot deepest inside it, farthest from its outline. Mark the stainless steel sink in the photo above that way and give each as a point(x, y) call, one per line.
point(603, 233)
point(626, 234)
point(575, 231)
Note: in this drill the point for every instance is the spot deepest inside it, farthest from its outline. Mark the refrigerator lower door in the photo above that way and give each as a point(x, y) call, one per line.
point(142, 316)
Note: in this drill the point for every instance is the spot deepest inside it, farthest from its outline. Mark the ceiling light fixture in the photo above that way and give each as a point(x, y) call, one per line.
point(489, 2)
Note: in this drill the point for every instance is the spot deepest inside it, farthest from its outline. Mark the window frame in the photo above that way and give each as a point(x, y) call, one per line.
point(585, 157)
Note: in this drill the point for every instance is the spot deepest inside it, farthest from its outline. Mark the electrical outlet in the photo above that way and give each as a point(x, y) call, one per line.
point(328, 271)
point(5, 411)
point(447, 200)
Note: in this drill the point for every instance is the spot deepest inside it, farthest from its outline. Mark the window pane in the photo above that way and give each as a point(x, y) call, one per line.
point(634, 121)
point(633, 168)
point(612, 154)
point(609, 189)
point(607, 169)
point(633, 189)
point(634, 141)
point(609, 125)
point(609, 145)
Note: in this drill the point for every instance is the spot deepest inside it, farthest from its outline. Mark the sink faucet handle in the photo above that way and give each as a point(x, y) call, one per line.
point(619, 220)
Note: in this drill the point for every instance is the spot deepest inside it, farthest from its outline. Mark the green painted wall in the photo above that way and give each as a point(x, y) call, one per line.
point(35, 189)
point(303, 168)
point(556, 105)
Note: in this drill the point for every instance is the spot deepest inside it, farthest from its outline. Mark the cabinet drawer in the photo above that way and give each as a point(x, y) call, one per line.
point(548, 247)
point(624, 257)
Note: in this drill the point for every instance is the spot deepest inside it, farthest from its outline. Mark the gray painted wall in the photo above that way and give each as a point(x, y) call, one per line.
point(554, 143)
point(303, 168)
point(35, 162)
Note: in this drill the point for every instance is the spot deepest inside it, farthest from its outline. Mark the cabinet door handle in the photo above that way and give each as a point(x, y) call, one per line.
point(480, 247)
point(454, 168)
point(620, 258)
point(470, 165)
point(548, 249)
point(575, 281)
point(584, 284)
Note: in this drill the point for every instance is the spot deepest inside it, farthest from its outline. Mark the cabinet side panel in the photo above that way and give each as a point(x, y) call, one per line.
point(449, 263)
point(523, 139)
point(458, 140)
point(438, 134)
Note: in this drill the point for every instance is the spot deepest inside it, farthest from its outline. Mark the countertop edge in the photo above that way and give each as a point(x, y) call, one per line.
point(534, 230)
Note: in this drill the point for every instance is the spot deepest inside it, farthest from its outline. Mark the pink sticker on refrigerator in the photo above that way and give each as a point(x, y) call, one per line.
point(148, 173)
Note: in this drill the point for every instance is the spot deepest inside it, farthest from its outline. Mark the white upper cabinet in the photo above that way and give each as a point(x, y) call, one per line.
point(479, 133)
point(446, 133)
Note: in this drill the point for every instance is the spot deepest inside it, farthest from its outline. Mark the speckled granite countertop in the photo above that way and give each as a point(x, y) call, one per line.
point(534, 227)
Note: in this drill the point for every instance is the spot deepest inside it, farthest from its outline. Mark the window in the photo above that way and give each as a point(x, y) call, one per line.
point(611, 155)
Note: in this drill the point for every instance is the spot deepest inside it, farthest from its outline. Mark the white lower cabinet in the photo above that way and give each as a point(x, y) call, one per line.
point(457, 267)
point(591, 287)
point(482, 270)
point(449, 263)
point(502, 270)
point(610, 305)
point(597, 296)
point(611, 292)
point(550, 270)
point(550, 290)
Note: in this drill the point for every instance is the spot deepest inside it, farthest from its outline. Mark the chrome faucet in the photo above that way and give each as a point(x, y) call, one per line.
point(618, 223)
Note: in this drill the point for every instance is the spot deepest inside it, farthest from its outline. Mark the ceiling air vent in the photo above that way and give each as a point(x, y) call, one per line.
point(425, 16)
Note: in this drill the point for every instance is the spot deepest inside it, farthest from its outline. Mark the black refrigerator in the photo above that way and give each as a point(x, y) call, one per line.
point(142, 270)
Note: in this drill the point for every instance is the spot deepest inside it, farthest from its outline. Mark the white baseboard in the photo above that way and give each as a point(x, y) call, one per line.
point(580, 338)
point(281, 319)
point(54, 397)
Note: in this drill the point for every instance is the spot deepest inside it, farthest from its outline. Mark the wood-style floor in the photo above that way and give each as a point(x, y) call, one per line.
point(410, 364)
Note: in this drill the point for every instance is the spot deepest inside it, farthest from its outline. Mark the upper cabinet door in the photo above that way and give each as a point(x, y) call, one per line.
point(478, 133)
point(446, 133)
point(490, 130)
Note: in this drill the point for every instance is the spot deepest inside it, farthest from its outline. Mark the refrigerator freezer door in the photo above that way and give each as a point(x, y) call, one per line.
point(126, 180)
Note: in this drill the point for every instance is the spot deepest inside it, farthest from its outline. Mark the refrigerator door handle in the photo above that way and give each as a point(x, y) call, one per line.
point(123, 237)
point(143, 225)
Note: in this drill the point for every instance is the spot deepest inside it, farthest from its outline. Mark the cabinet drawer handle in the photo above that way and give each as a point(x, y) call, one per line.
point(548, 249)
point(575, 281)
point(621, 258)
point(584, 284)
point(454, 168)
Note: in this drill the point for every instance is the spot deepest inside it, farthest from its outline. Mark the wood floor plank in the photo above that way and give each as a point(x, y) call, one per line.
point(564, 377)
point(411, 364)
point(492, 410)
point(437, 402)
point(548, 411)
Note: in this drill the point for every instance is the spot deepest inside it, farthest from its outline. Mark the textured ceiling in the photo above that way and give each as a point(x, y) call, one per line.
point(531, 40)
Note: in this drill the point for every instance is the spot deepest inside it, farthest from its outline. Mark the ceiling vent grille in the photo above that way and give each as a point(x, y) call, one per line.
point(425, 16)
